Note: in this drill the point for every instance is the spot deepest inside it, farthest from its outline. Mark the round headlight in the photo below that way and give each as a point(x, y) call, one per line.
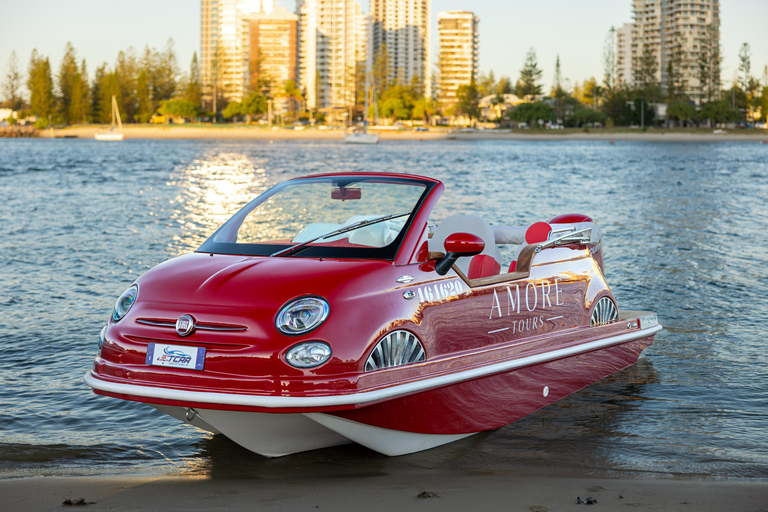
point(308, 354)
point(124, 303)
point(302, 315)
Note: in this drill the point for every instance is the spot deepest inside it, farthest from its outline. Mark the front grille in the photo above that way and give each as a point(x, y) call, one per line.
point(200, 326)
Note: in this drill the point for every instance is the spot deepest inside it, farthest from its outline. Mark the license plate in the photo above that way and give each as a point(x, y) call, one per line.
point(175, 356)
point(649, 321)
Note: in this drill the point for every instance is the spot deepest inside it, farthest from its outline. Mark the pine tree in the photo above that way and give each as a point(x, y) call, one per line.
point(40, 86)
point(79, 107)
point(194, 90)
point(558, 91)
point(65, 83)
point(126, 72)
point(609, 60)
point(166, 73)
point(12, 84)
point(96, 85)
point(674, 83)
point(527, 85)
point(710, 63)
point(110, 86)
point(146, 106)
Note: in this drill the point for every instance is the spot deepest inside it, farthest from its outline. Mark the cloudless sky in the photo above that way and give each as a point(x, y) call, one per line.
point(573, 29)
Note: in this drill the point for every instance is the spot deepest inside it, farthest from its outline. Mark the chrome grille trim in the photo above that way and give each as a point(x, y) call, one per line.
point(395, 349)
point(171, 324)
point(605, 312)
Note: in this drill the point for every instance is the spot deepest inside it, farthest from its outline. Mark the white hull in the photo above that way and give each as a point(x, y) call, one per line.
point(276, 435)
point(110, 136)
point(361, 138)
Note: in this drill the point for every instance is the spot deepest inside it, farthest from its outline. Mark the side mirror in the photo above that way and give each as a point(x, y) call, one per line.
point(458, 245)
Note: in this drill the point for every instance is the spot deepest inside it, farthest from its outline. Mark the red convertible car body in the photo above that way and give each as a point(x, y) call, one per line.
point(331, 310)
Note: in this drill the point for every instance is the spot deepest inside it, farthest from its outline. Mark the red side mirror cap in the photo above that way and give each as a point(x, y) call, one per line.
point(464, 244)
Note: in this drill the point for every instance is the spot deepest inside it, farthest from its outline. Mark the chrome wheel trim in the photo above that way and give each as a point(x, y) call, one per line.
point(605, 312)
point(395, 349)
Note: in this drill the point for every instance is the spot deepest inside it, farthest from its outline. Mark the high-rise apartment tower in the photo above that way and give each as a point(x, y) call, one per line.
point(401, 39)
point(624, 55)
point(272, 50)
point(332, 42)
point(458, 59)
point(671, 34)
point(224, 47)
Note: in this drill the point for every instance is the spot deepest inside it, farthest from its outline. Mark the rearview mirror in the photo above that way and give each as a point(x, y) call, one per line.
point(458, 245)
point(344, 194)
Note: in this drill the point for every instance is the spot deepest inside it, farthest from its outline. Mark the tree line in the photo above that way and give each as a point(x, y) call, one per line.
point(615, 102)
point(151, 82)
point(142, 83)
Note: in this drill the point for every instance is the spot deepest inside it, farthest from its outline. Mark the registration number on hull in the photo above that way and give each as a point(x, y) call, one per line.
point(175, 356)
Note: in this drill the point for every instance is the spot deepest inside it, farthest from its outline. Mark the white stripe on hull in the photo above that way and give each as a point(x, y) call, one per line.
point(363, 397)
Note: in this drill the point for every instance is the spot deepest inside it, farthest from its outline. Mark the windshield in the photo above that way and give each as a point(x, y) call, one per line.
point(362, 216)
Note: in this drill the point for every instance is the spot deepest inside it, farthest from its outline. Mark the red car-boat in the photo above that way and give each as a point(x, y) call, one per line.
point(331, 310)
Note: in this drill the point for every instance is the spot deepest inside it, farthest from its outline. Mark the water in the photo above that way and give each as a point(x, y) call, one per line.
point(685, 236)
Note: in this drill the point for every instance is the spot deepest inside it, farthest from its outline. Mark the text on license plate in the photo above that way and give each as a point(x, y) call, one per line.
point(175, 356)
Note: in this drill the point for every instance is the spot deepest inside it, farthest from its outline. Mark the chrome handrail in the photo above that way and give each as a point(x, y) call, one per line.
point(568, 238)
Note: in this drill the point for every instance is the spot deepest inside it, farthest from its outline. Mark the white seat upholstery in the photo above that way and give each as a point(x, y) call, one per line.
point(315, 230)
point(375, 235)
point(465, 224)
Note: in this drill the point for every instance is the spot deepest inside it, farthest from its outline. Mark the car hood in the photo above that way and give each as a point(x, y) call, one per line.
point(228, 280)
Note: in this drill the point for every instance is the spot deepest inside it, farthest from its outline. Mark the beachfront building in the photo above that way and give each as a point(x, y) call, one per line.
point(401, 42)
point(624, 55)
point(331, 44)
point(672, 32)
point(224, 49)
point(271, 40)
point(458, 58)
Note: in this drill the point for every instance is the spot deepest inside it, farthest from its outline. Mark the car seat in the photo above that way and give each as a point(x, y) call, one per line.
point(476, 226)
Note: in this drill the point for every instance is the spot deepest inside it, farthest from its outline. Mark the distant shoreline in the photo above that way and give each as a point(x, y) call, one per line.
point(263, 133)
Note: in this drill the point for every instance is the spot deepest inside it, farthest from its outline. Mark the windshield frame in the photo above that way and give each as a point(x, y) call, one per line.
point(388, 252)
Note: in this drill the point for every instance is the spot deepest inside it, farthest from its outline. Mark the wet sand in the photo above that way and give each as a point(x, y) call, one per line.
point(263, 133)
point(403, 492)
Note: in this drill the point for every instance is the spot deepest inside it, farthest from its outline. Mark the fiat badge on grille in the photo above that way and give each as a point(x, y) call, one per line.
point(185, 325)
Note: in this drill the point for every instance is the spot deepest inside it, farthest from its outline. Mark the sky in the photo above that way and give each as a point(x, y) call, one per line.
point(574, 30)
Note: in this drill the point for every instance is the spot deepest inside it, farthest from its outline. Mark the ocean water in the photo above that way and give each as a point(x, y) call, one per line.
point(685, 235)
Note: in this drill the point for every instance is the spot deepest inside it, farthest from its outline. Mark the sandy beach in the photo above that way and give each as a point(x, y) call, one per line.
point(426, 491)
point(239, 132)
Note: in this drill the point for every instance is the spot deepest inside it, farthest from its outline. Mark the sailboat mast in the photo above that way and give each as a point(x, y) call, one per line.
point(116, 113)
point(365, 114)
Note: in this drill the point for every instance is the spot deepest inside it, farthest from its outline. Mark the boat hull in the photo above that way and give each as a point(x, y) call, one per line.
point(410, 422)
point(361, 138)
point(109, 136)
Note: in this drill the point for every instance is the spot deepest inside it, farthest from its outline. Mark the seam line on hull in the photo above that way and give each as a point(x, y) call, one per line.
point(362, 397)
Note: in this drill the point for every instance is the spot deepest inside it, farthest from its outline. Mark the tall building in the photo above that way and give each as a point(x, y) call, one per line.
point(331, 44)
point(672, 32)
point(403, 28)
point(271, 49)
point(458, 60)
point(624, 55)
point(223, 47)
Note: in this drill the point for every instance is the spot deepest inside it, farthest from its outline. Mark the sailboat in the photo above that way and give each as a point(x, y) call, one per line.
point(362, 136)
point(111, 134)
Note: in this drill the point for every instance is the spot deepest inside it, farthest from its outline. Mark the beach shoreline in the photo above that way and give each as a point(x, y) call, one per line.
point(424, 491)
point(239, 132)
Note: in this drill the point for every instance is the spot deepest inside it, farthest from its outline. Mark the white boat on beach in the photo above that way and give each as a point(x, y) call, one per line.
point(111, 134)
point(361, 138)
